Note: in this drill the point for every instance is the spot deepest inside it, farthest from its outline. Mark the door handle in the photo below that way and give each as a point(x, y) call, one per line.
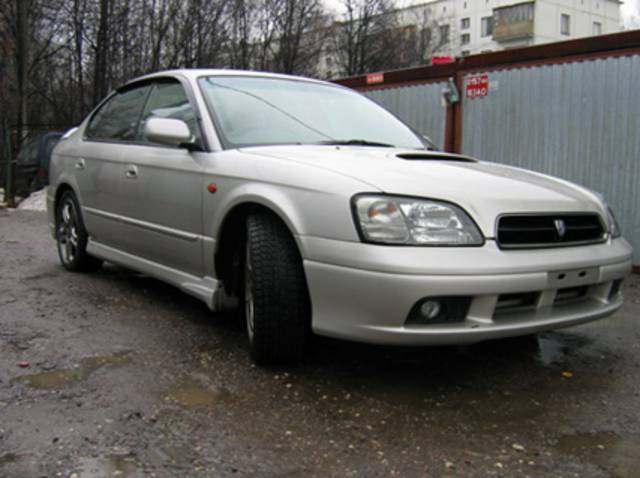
point(80, 164)
point(131, 172)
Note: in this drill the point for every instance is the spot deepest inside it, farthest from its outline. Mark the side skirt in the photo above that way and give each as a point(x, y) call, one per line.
point(207, 289)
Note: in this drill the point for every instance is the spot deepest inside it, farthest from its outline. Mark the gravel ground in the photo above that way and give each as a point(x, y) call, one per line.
point(116, 374)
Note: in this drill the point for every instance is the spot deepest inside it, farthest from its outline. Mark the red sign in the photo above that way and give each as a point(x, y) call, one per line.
point(374, 78)
point(442, 60)
point(477, 86)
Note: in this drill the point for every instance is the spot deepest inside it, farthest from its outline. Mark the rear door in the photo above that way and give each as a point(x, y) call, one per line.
point(99, 168)
point(163, 188)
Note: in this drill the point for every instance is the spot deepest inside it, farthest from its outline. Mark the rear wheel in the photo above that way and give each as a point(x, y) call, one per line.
point(275, 297)
point(71, 236)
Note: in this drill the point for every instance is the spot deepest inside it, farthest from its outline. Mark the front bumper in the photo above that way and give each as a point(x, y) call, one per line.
point(365, 292)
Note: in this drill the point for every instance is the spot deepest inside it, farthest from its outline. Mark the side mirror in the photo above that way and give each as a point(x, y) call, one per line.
point(172, 132)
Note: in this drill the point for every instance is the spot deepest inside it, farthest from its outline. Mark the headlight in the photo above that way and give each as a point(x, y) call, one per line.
point(398, 220)
point(614, 227)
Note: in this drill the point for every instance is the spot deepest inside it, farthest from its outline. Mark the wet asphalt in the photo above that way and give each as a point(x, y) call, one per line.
point(116, 374)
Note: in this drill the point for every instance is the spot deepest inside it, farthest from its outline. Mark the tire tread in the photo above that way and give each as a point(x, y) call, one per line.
point(281, 299)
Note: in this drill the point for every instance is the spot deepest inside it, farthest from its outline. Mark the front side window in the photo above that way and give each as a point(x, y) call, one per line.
point(254, 111)
point(169, 100)
point(118, 119)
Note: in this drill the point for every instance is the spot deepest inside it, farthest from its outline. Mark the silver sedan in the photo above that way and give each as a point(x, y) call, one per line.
point(311, 209)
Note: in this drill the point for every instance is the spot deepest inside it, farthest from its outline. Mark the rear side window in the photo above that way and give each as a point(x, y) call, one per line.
point(169, 100)
point(118, 118)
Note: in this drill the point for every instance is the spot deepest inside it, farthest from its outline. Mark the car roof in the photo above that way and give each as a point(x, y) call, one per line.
point(194, 73)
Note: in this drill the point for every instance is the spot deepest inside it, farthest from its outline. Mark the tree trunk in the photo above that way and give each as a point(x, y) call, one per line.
point(22, 64)
point(102, 47)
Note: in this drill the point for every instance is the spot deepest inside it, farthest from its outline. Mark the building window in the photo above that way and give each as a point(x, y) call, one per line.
point(597, 28)
point(444, 34)
point(465, 39)
point(486, 26)
point(466, 53)
point(465, 23)
point(565, 24)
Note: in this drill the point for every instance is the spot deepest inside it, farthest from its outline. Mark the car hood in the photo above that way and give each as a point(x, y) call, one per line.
point(486, 190)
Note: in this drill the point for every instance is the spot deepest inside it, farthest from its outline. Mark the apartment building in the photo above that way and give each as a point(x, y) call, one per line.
point(467, 27)
point(490, 25)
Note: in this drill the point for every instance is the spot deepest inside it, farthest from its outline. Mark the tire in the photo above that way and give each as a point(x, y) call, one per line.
point(275, 299)
point(71, 236)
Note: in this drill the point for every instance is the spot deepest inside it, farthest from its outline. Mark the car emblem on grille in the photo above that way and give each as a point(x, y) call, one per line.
point(561, 227)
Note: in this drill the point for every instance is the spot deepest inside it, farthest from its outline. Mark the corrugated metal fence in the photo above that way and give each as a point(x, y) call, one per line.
point(428, 119)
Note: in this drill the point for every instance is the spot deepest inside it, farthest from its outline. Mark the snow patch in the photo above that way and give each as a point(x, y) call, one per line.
point(37, 201)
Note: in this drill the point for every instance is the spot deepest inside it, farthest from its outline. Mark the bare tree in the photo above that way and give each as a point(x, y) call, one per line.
point(360, 36)
point(199, 33)
point(243, 43)
point(296, 25)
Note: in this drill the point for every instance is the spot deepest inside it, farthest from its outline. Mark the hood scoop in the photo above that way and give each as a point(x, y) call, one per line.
point(435, 156)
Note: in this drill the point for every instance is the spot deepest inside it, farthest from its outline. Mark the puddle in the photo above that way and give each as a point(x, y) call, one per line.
point(551, 351)
point(69, 376)
point(8, 458)
point(123, 466)
point(196, 395)
point(618, 455)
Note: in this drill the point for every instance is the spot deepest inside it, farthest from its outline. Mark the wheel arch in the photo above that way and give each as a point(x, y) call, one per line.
point(231, 231)
point(62, 188)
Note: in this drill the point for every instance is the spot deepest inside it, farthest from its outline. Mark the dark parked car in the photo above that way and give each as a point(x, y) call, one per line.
point(32, 164)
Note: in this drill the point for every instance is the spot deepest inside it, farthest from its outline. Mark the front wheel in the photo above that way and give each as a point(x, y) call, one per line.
point(71, 237)
point(276, 299)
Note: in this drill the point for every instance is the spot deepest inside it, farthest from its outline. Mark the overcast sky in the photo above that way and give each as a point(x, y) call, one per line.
point(630, 9)
point(631, 13)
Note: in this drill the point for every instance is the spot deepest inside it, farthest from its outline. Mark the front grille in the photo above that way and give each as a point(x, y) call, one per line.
point(549, 230)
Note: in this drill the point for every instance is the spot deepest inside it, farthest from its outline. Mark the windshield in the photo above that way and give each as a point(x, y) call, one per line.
point(254, 111)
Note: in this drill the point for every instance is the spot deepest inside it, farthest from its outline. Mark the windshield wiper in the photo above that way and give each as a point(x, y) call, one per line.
point(354, 142)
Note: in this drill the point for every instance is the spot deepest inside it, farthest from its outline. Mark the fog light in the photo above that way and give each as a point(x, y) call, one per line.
point(439, 310)
point(430, 309)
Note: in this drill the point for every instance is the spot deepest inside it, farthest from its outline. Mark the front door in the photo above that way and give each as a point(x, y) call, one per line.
point(163, 189)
